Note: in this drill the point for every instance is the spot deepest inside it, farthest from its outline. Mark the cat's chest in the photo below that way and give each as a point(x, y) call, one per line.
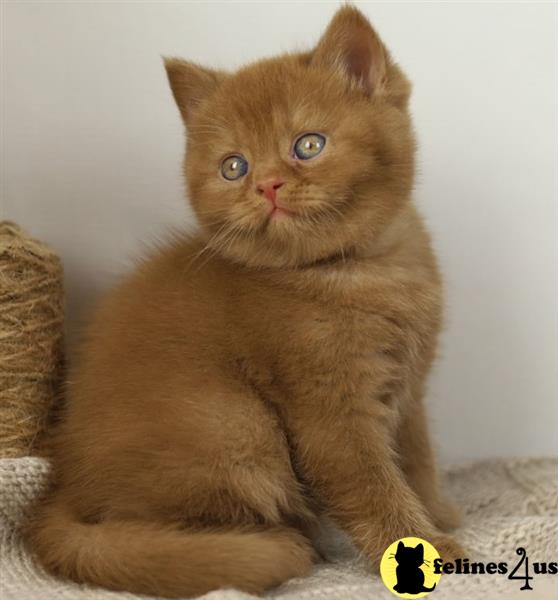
point(337, 337)
point(351, 314)
point(349, 327)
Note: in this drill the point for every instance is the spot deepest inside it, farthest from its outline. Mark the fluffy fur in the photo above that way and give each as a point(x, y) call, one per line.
point(272, 368)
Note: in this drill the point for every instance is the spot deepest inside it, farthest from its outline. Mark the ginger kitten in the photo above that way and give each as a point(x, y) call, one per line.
point(271, 369)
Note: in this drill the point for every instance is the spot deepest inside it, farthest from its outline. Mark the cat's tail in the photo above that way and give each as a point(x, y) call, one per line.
point(147, 558)
point(425, 589)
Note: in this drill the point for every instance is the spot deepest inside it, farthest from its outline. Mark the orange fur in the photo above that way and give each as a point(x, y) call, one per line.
point(270, 369)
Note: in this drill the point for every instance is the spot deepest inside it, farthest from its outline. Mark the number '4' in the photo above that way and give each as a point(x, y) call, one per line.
point(521, 552)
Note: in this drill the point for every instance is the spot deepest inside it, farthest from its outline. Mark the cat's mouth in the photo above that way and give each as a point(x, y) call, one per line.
point(278, 215)
point(280, 212)
point(283, 220)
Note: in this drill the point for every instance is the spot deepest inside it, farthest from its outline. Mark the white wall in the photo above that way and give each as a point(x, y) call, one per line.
point(92, 144)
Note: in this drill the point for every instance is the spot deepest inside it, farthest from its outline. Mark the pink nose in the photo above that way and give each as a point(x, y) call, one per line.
point(269, 188)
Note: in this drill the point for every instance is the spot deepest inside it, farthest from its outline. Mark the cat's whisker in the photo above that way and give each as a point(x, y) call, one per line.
point(207, 246)
point(217, 241)
point(223, 242)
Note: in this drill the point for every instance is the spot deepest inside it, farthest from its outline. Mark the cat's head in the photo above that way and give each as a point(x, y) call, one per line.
point(409, 556)
point(298, 158)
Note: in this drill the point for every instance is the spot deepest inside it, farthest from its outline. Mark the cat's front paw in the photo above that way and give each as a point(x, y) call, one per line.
point(447, 548)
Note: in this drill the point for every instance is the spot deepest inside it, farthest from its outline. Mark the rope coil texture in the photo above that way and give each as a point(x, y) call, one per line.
point(31, 339)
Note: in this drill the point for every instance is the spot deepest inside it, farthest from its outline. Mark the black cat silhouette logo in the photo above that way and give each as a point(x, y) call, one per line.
point(407, 568)
point(410, 577)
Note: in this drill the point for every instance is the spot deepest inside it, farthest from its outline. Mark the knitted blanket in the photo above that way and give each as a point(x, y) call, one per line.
point(506, 505)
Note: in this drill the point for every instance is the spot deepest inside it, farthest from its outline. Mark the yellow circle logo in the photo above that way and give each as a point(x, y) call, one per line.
point(407, 568)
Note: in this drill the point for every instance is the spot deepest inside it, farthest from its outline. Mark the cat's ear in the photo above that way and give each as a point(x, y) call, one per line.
point(351, 44)
point(190, 85)
point(420, 550)
point(400, 547)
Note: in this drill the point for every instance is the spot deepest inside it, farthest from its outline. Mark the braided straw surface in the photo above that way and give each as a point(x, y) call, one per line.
point(31, 338)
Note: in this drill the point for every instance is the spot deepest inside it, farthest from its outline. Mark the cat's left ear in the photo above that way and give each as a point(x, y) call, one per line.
point(420, 549)
point(191, 84)
point(351, 44)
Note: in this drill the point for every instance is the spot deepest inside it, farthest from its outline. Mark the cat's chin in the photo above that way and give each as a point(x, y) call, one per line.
point(280, 220)
point(280, 247)
point(285, 225)
point(288, 240)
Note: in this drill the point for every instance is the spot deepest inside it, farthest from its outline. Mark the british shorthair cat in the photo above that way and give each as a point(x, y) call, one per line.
point(271, 369)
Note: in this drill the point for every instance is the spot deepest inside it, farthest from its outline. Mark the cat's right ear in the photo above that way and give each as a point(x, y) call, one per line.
point(190, 85)
point(400, 546)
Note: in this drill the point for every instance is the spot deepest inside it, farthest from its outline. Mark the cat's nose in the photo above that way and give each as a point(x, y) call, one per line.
point(269, 188)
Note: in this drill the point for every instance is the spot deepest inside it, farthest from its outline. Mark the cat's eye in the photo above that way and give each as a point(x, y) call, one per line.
point(309, 145)
point(234, 167)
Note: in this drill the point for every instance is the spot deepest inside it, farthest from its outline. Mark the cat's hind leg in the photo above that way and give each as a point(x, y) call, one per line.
point(196, 493)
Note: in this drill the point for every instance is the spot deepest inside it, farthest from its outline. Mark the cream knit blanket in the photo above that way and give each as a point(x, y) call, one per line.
point(506, 504)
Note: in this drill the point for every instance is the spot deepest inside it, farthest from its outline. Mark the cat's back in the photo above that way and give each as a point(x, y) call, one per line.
point(162, 323)
point(163, 320)
point(178, 290)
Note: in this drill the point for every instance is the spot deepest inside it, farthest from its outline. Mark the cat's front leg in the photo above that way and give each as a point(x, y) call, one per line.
point(344, 451)
point(419, 465)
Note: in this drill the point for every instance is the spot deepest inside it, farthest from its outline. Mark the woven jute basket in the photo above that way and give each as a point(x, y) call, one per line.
point(31, 340)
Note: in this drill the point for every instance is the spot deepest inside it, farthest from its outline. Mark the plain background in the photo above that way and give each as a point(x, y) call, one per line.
point(92, 146)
